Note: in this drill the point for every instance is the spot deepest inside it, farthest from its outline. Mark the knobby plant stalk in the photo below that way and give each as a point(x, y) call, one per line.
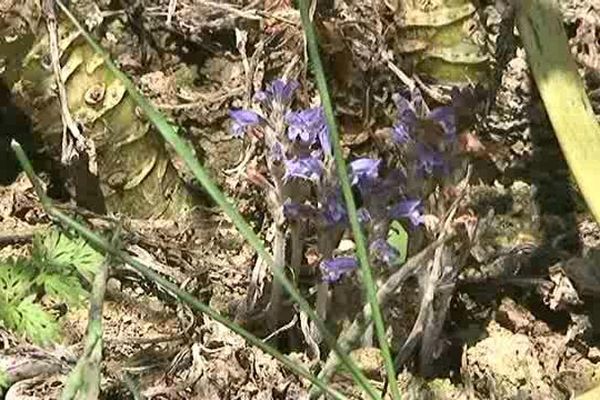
point(105, 246)
point(187, 155)
point(361, 248)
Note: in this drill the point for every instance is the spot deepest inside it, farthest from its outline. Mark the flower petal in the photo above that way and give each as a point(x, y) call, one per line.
point(411, 209)
point(307, 125)
point(242, 119)
point(446, 118)
point(333, 269)
point(303, 168)
point(364, 169)
point(383, 251)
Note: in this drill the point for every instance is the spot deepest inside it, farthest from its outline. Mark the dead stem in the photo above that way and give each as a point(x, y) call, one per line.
point(351, 335)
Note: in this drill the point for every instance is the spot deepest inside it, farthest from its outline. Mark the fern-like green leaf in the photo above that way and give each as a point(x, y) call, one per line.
point(16, 278)
point(64, 288)
point(60, 253)
point(31, 320)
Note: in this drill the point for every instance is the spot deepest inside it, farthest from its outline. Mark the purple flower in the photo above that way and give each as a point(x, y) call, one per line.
point(334, 211)
point(446, 118)
point(402, 131)
point(411, 209)
point(307, 125)
point(364, 169)
point(242, 119)
point(323, 134)
point(383, 251)
point(308, 168)
point(364, 217)
point(429, 160)
point(277, 153)
point(279, 91)
point(293, 210)
point(333, 269)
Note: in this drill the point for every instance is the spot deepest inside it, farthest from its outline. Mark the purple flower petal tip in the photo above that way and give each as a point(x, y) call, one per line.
point(279, 92)
point(333, 269)
point(411, 209)
point(242, 119)
point(308, 125)
point(334, 211)
point(383, 251)
point(364, 169)
point(303, 168)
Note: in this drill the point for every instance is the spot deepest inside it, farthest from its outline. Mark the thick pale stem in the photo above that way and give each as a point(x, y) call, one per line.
point(328, 240)
point(277, 289)
point(296, 230)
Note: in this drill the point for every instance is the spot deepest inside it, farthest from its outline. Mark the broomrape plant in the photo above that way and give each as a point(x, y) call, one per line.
point(302, 187)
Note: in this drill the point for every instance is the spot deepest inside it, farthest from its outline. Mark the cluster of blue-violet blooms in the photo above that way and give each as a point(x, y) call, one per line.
point(302, 186)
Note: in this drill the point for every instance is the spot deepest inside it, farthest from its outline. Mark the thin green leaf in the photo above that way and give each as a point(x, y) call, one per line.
point(187, 155)
point(361, 248)
point(562, 90)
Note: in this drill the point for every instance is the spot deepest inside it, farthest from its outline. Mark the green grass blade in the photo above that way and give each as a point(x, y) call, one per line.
point(104, 245)
point(361, 248)
point(555, 72)
point(186, 154)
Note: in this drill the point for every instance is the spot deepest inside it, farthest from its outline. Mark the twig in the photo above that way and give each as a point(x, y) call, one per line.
point(171, 11)
point(283, 328)
point(7, 238)
point(73, 142)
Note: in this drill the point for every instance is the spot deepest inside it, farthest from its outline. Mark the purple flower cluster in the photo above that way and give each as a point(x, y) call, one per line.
point(430, 132)
point(303, 183)
point(429, 135)
point(298, 141)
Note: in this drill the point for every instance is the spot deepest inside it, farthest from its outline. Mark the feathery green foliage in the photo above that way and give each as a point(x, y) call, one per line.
point(55, 268)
